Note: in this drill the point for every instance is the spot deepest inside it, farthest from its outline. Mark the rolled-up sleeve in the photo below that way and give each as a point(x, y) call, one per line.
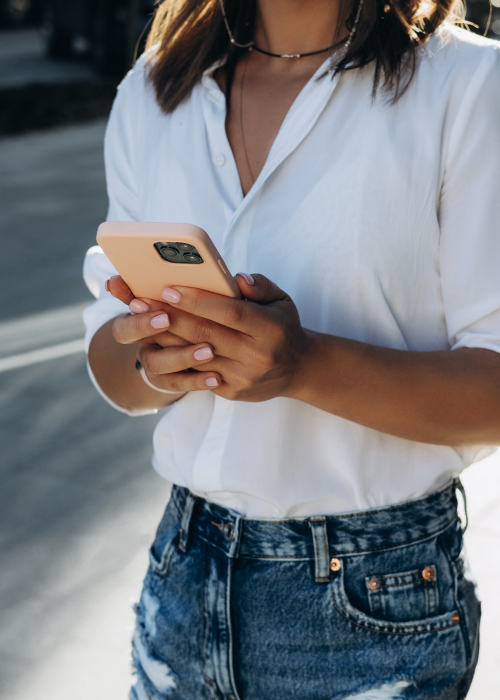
point(470, 214)
point(121, 178)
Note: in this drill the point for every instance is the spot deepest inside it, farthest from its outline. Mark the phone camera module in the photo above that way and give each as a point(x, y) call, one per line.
point(178, 252)
point(169, 252)
point(192, 258)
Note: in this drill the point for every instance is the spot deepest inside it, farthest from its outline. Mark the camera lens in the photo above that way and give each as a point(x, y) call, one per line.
point(169, 252)
point(184, 247)
point(192, 258)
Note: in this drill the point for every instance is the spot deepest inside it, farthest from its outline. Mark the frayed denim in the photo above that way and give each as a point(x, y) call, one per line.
point(361, 606)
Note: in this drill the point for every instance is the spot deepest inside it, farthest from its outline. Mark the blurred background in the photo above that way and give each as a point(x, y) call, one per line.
point(79, 501)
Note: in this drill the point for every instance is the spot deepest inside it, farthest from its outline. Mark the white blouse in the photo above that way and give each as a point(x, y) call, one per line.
point(382, 223)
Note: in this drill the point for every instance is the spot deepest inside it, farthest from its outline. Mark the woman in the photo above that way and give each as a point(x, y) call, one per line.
point(349, 153)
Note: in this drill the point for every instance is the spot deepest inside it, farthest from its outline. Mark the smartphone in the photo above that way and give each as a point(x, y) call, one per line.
point(152, 256)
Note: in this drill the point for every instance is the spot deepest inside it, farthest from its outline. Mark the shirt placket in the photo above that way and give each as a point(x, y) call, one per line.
point(304, 113)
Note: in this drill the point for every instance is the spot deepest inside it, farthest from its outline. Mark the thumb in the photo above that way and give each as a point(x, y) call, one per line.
point(118, 288)
point(259, 289)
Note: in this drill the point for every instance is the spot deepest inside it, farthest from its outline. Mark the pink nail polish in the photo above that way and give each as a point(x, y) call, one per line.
point(106, 285)
point(203, 354)
point(160, 321)
point(248, 278)
point(211, 381)
point(138, 306)
point(171, 295)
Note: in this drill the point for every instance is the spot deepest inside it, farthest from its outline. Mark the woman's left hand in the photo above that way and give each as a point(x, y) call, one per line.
point(259, 343)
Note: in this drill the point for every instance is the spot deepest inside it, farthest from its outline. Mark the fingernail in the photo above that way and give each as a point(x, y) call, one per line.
point(211, 381)
point(138, 306)
point(203, 354)
point(248, 278)
point(171, 295)
point(106, 285)
point(160, 321)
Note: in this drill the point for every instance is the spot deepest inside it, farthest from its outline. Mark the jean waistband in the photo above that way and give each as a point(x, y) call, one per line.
point(317, 537)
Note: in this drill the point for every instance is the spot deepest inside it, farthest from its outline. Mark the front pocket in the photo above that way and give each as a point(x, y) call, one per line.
point(161, 553)
point(405, 596)
point(409, 627)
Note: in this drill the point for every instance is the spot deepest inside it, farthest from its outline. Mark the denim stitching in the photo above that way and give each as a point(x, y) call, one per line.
point(205, 637)
point(356, 551)
point(453, 487)
point(401, 585)
point(411, 628)
point(161, 567)
point(176, 504)
point(463, 619)
point(320, 543)
point(302, 557)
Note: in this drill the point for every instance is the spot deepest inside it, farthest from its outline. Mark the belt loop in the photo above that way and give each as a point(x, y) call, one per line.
point(232, 535)
point(458, 485)
point(186, 520)
point(321, 553)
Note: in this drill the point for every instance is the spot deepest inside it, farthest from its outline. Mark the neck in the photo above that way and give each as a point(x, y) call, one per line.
point(295, 26)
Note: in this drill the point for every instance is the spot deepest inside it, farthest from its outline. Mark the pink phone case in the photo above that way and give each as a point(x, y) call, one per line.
point(131, 248)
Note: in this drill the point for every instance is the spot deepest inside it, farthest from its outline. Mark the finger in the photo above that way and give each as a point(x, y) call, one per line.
point(162, 366)
point(119, 289)
point(236, 314)
point(143, 305)
point(166, 340)
point(182, 382)
point(260, 289)
point(129, 328)
point(195, 329)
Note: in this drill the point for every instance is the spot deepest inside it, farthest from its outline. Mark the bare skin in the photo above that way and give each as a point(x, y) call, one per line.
point(270, 85)
point(260, 349)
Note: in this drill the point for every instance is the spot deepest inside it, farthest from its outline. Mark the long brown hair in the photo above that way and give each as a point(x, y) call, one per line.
point(191, 37)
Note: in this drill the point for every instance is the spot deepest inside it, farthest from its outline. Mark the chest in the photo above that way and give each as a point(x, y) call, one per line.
point(261, 97)
point(344, 215)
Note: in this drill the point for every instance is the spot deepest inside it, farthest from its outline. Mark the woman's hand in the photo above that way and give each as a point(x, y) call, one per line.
point(261, 352)
point(148, 326)
point(258, 343)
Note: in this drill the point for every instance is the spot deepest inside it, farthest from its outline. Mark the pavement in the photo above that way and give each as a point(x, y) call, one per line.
point(79, 501)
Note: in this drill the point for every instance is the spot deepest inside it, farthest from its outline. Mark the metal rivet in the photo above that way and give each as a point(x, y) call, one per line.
point(228, 532)
point(374, 583)
point(456, 618)
point(335, 564)
point(428, 573)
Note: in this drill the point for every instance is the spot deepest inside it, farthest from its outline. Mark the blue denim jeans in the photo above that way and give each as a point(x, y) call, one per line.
point(359, 606)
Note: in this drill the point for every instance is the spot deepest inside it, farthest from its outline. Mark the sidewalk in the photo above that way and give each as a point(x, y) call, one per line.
point(482, 485)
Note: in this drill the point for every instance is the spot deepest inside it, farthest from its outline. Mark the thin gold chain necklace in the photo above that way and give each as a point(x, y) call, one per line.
point(242, 131)
point(251, 47)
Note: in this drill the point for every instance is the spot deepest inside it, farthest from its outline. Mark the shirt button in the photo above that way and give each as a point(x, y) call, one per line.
point(219, 159)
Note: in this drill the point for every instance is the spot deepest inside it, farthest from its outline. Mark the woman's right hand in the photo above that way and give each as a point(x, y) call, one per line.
point(147, 326)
